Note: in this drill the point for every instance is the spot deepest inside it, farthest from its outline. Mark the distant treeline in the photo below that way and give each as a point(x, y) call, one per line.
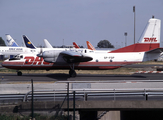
point(2, 42)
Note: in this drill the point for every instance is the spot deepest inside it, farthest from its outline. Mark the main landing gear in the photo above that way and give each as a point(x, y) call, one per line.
point(72, 72)
point(19, 73)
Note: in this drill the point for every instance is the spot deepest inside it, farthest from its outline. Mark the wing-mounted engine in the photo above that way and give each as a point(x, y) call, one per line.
point(55, 56)
point(74, 57)
point(50, 56)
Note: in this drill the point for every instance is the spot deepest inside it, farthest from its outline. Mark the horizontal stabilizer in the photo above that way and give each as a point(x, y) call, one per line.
point(157, 50)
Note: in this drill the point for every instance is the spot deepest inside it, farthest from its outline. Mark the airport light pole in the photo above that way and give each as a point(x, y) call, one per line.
point(32, 114)
point(68, 100)
point(134, 22)
point(125, 38)
point(122, 44)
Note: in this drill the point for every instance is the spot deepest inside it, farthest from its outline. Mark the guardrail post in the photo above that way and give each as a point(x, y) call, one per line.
point(146, 95)
point(85, 96)
point(114, 94)
point(73, 105)
point(54, 95)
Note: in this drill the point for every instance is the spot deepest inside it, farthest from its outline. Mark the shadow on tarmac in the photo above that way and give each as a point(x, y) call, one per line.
point(66, 77)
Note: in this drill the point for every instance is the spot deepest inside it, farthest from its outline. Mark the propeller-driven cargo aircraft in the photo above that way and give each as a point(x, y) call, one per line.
point(146, 49)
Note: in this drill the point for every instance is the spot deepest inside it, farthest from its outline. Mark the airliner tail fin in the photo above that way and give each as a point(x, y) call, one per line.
point(149, 40)
point(90, 46)
point(28, 43)
point(10, 41)
point(75, 45)
point(47, 44)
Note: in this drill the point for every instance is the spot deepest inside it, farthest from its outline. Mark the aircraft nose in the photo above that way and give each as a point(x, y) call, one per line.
point(3, 64)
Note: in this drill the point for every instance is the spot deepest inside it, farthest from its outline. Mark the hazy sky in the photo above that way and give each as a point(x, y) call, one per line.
point(77, 20)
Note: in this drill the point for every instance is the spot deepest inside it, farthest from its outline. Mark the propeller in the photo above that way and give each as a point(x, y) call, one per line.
point(40, 54)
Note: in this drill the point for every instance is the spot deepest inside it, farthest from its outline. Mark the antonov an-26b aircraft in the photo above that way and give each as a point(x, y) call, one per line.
point(146, 49)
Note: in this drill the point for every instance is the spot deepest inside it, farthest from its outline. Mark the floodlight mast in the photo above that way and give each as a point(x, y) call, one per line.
point(134, 22)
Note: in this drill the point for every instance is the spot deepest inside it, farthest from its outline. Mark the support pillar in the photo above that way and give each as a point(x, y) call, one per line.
point(88, 115)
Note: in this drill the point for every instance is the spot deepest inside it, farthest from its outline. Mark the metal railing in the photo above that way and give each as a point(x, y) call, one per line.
point(87, 94)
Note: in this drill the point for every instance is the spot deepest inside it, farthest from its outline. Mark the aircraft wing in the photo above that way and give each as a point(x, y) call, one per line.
point(72, 57)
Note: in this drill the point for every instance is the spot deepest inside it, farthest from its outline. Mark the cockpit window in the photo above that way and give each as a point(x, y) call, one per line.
point(16, 56)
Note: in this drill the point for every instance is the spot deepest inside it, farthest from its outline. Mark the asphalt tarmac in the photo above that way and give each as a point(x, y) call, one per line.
point(13, 84)
point(5, 78)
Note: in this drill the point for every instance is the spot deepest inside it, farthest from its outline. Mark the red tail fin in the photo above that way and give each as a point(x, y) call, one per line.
point(75, 45)
point(90, 46)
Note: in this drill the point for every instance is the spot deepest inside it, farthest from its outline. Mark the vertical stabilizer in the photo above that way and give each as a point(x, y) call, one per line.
point(151, 33)
point(149, 40)
point(10, 41)
point(47, 44)
point(75, 45)
point(90, 46)
point(28, 43)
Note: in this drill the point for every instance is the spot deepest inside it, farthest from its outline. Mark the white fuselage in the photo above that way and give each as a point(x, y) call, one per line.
point(4, 50)
point(99, 61)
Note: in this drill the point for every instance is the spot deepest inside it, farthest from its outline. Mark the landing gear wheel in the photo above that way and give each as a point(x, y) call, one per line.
point(72, 73)
point(19, 73)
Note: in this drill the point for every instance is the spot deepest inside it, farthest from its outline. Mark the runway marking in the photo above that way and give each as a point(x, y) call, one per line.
point(149, 72)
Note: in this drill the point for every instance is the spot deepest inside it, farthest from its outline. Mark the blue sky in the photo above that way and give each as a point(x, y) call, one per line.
point(76, 20)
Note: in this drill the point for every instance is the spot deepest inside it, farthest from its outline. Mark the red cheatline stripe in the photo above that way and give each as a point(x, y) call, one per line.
point(150, 72)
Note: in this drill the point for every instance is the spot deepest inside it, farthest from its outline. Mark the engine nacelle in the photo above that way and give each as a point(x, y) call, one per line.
point(50, 54)
point(50, 60)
